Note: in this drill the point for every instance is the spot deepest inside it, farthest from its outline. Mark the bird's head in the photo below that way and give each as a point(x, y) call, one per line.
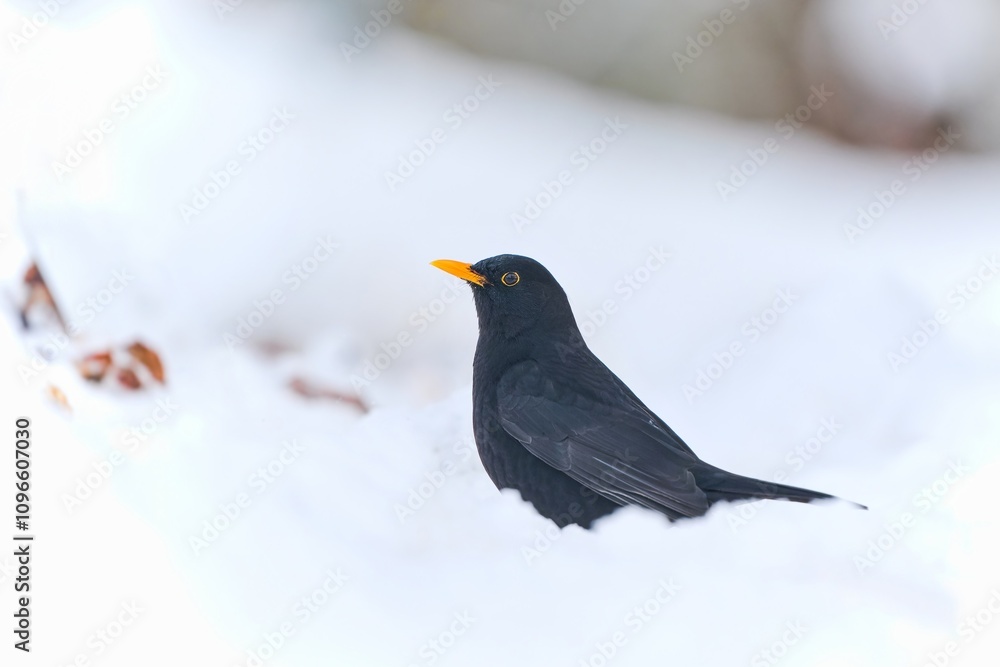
point(513, 294)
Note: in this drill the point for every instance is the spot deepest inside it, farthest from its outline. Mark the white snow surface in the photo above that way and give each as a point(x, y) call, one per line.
point(470, 575)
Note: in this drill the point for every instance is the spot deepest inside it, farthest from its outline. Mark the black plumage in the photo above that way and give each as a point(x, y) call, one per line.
point(552, 421)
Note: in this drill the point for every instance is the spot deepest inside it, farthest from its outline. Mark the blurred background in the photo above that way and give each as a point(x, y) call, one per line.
point(250, 393)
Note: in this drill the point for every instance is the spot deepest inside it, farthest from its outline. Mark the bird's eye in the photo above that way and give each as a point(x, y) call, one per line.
point(510, 279)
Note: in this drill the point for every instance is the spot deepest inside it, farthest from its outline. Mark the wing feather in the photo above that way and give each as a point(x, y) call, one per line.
point(609, 445)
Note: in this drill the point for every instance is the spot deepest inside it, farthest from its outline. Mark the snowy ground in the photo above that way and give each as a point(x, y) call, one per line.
point(248, 517)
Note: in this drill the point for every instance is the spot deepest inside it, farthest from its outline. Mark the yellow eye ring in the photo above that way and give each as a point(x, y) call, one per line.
point(510, 279)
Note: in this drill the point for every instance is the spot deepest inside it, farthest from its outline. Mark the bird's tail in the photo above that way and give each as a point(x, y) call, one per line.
point(720, 485)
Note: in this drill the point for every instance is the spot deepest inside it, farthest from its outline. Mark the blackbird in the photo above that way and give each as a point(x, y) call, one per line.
point(552, 421)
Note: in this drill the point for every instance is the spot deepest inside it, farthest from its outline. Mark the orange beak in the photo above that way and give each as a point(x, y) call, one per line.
point(460, 269)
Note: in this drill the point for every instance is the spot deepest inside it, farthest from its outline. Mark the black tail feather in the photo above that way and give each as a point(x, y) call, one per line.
point(720, 485)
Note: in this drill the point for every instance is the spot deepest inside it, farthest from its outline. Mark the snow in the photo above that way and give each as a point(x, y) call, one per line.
point(319, 555)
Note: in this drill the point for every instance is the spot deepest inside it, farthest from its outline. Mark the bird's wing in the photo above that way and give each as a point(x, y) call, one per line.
point(606, 445)
point(671, 438)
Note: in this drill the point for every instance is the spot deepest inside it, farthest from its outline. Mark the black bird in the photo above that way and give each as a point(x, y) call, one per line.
point(552, 421)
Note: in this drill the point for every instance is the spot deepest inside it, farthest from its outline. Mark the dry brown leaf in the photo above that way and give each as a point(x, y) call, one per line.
point(33, 276)
point(38, 291)
point(95, 366)
point(128, 379)
point(149, 359)
point(306, 390)
point(57, 395)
